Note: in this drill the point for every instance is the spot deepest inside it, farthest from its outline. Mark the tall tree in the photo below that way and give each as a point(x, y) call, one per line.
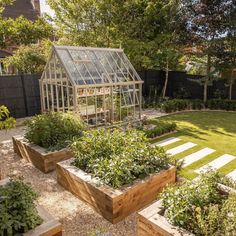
point(202, 24)
point(84, 22)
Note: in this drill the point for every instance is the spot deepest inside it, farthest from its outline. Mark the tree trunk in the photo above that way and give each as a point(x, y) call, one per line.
point(231, 86)
point(166, 80)
point(207, 77)
point(205, 91)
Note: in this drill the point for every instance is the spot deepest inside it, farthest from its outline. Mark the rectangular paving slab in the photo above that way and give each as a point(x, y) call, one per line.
point(196, 156)
point(181, 148)
point(166, 142)
point(232, 175)
point(217, 163)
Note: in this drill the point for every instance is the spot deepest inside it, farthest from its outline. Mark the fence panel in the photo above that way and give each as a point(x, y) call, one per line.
point(20, 93)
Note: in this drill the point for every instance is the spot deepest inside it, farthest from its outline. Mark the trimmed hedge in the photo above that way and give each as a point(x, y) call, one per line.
point(161, 128)
point(185, 104)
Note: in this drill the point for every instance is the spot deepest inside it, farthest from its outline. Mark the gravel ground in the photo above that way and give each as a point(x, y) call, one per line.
point(77, 218)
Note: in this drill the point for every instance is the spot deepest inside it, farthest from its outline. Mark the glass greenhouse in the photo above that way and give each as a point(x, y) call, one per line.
point(99, 84)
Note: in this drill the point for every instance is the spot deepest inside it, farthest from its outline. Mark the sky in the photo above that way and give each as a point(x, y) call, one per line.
point(45, 8)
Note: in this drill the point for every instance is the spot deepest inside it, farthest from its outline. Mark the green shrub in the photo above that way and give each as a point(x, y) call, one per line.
point(200, 207)
point(116, 157)
point(197, 104)
point(53, 130)
point(161, 127)
point(18, 213)
point(6, 122)
point(218, 104)
point(175, 105)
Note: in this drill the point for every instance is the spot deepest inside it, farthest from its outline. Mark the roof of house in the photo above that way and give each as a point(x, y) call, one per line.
point(21, 7)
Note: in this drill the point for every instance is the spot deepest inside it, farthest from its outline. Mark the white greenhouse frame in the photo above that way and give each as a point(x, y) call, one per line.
point(99, 84)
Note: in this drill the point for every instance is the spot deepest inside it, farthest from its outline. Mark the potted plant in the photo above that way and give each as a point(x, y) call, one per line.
point(201, 207)
point(46, 139)
point(20, 215)
point(115, 172)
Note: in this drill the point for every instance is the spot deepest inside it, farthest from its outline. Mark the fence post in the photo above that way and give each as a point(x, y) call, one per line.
point(24, 94)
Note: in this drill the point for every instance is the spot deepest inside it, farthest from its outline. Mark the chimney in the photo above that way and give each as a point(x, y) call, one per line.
point(36, 5)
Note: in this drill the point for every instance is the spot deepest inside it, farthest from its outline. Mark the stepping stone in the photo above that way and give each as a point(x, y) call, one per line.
point(181, 148)
point(216, 164)
point(232, 175)
point(188, 160)
point(166, 142)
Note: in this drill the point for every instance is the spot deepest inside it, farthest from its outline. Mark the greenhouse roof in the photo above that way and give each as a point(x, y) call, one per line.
point(96, 66)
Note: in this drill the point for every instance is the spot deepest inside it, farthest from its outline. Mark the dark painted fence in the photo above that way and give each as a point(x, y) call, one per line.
point(181, 84)
point(20, 93)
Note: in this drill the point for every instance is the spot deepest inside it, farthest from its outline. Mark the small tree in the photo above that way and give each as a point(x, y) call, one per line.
point(202, 24)
point(29, 59)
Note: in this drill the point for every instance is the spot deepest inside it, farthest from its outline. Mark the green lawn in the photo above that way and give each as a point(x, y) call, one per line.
point(216, 130)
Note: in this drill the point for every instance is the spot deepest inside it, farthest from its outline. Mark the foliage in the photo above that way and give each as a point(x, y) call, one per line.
point(175, 105)
point(116, 157)
point(29, 59)
point(185, 104)
point(218, 104)
point(202, 24)
point(6, 122)
point(4, 3)
point(160, 128)
point(53, 130)
point(18, 213)
point(112, 23)
point(200, 208)
point(22, 31)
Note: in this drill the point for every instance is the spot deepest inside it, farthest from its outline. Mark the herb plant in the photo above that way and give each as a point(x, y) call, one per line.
point(200, 207)
point(53, 130)
point(18, 213)
point(117, 157)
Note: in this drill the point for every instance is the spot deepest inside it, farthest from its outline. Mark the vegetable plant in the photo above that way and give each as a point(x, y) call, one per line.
point(18, 212)
point(200, 207)
point(53, 130)
point(117, 157)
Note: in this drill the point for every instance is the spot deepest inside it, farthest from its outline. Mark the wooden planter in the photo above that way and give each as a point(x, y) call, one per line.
point(151, 221)
point(38, 156)
point(113, 204)
point(49, 227)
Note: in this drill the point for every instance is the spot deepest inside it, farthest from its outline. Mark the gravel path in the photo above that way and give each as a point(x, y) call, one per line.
point(77, 218)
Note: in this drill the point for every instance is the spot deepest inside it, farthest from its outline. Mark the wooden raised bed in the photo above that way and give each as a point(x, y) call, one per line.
point(113, 204)
point(38, 156)
point(49, 227)
point(151, 221)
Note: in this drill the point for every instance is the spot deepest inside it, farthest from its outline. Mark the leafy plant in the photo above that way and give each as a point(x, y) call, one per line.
point(53, 130)
point(116, 157)
point(200, 207)
point(6, 122)
point(159, 128)
point(18, 213)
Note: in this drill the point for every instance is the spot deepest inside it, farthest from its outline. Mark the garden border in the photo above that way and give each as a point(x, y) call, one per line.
point(49, 227)
point(41, 158)
point(113, 204)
